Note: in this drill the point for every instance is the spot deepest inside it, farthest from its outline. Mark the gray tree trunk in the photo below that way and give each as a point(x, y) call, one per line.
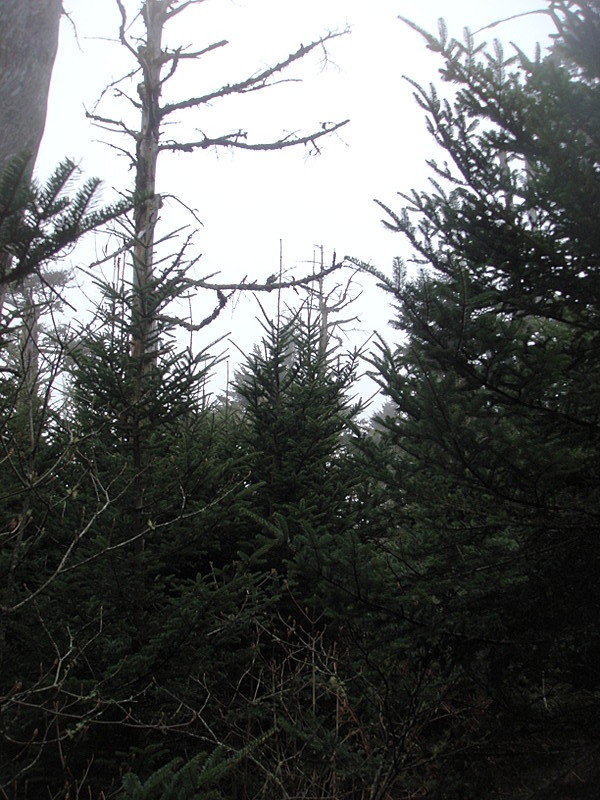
point(28, 44)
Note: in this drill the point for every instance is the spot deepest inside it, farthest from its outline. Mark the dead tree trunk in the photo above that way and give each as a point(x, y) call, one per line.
point(150, 56)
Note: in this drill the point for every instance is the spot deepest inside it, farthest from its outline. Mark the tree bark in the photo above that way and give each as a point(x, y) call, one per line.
point(28, 44)
point(151, 59)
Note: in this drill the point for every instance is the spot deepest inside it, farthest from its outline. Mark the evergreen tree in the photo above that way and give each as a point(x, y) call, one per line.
point(131, 562)
point(495, 437)
point(294, 392)
point(37, 224)
point(329, 653)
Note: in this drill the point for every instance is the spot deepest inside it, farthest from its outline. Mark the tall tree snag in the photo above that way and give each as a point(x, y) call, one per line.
point(150, 57)
point(157, 65)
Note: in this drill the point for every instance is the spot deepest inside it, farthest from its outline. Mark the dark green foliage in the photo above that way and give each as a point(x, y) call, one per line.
point(37, 222)
point(183, 573)
point(495, 435)
point(186, 780)
point(255, 597)
point(294, 394)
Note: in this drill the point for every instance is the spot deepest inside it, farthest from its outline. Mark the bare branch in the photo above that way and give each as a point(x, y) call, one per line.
point(110, 124)
point(238, 140)
point(177, 55)
point(131, 74)
point(122, 37)
point(174, 11)
point(120, 150)
point(268, 287)
point(193, 327)
point(259, 81)
point(183, 54)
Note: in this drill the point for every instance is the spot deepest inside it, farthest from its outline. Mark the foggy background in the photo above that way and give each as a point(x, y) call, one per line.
point(255, 205)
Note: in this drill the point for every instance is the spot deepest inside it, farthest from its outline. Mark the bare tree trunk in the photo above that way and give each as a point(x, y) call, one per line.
point(151, 60)
point(28, 44)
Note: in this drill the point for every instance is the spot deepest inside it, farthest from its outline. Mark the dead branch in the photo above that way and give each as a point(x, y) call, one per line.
point(193, 327)
point(109, 124)
point(174, 11)
point(254, 83)
point(269, 286)
point(238, 140)
point(177, 55)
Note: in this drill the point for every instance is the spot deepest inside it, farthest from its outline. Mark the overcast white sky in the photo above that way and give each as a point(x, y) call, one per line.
point(249, 201)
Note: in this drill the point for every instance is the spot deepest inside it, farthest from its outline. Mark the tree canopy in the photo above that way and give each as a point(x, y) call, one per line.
point(264, 594)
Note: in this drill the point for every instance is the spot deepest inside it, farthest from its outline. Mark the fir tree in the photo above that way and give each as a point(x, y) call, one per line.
point(495, 433)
